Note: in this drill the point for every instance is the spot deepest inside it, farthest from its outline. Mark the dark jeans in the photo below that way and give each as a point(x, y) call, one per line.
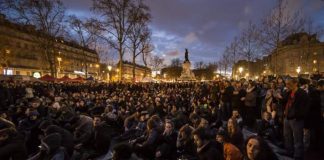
point(250, 116)
point(294, 137)
point(227, 110)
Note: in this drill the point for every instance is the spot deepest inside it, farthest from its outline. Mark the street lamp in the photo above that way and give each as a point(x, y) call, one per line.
point(98, 71)
point(109, 69)
point(298, 70)
point(240, 70)
point(59, 59)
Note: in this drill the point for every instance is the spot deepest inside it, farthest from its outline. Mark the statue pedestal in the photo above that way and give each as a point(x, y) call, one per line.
point(187, 74)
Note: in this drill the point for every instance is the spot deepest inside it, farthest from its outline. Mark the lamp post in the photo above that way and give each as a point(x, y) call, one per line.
point(59, 59)
point(7, 53)
point(98, 71)
point(109, 69)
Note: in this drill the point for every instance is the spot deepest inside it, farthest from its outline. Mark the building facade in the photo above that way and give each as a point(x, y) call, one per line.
point(140, 72)
point(22, 54)
point(298, 54)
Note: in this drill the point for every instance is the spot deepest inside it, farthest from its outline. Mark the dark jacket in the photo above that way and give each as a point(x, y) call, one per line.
point(51, 149)
point(167, 146)
point(13, 149)
point(250, 98)
point(67, 137)
point(227, 95)
point(211, 151)
point(299, 105)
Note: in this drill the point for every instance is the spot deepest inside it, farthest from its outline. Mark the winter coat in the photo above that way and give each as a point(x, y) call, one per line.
point(13, 149)
point(250, 98)
point(211, 151)
point(83, 129)
point(67, 137)
point(299, 106)
point(51, 149)
point(231, 152)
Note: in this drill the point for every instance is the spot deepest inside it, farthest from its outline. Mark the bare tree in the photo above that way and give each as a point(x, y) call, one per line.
point(249, 47)
point(226, 59)
point(233, 51)
point(277, 25)
point(115, 24)
point(175, 62)
point(47, 16)
point(147, 50)
point(139, 32)
point(86, 32)
point(157, 62)
point(200, 65)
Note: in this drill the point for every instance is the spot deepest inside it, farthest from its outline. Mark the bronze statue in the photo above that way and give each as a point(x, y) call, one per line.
point(186, 55)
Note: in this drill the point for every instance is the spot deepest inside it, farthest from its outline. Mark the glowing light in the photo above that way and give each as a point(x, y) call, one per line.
point(298, 69)
point(241, 69)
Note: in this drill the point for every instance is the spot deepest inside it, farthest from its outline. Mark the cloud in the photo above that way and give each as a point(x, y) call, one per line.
point(205, 27)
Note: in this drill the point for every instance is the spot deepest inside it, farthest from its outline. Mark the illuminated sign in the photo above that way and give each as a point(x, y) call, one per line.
point(79, 72)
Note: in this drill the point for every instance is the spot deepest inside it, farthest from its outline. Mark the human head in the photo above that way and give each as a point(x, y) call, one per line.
point(168, 127)
point(258, 149)
point(185, 131)
point(292, 83)
point(321, 85)
point(235, 113)
point(221, 136)
point(96, 120)
point(266, 116)
point(232, 126)
point(5, 133)
point(203, 123)
point(200, 137)
point(35, 103)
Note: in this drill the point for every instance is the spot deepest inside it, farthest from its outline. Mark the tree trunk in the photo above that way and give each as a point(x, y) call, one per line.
point(134, 65)
point(120, 50)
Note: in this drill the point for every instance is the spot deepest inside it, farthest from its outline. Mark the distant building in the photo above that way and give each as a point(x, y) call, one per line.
point(140, 72)
point(26, 58)
point(299, 52)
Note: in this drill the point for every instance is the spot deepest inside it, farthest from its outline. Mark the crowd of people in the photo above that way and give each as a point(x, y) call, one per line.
point(163, 121)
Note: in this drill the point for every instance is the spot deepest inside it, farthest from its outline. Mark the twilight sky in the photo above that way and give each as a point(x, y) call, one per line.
point(205, 27)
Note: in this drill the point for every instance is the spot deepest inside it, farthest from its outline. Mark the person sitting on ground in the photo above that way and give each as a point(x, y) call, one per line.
point(207, 149)
point(235, 134)
point(51, 148)
point(257, 149)
point(267, 128)
point(123, 151)
point(231, 152)
point(12, 145)
point(236, 115)
point(167, 142)
point(185, 144)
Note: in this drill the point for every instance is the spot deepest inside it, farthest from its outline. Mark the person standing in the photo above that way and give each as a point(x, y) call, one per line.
point(250, 104)
point(226, 99)
point(296, 104)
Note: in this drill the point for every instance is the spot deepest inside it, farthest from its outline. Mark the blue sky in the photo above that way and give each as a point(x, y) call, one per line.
point(205, 27)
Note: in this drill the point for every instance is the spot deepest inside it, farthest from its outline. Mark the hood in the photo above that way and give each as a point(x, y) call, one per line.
point(51, 142)
point(53, 129)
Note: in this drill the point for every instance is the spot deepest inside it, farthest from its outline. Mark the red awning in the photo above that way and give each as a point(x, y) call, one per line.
point(65, 79)
point(47, 78)
point(79, 79)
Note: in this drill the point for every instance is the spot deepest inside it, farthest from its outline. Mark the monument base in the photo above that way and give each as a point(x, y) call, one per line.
point(187, 74)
